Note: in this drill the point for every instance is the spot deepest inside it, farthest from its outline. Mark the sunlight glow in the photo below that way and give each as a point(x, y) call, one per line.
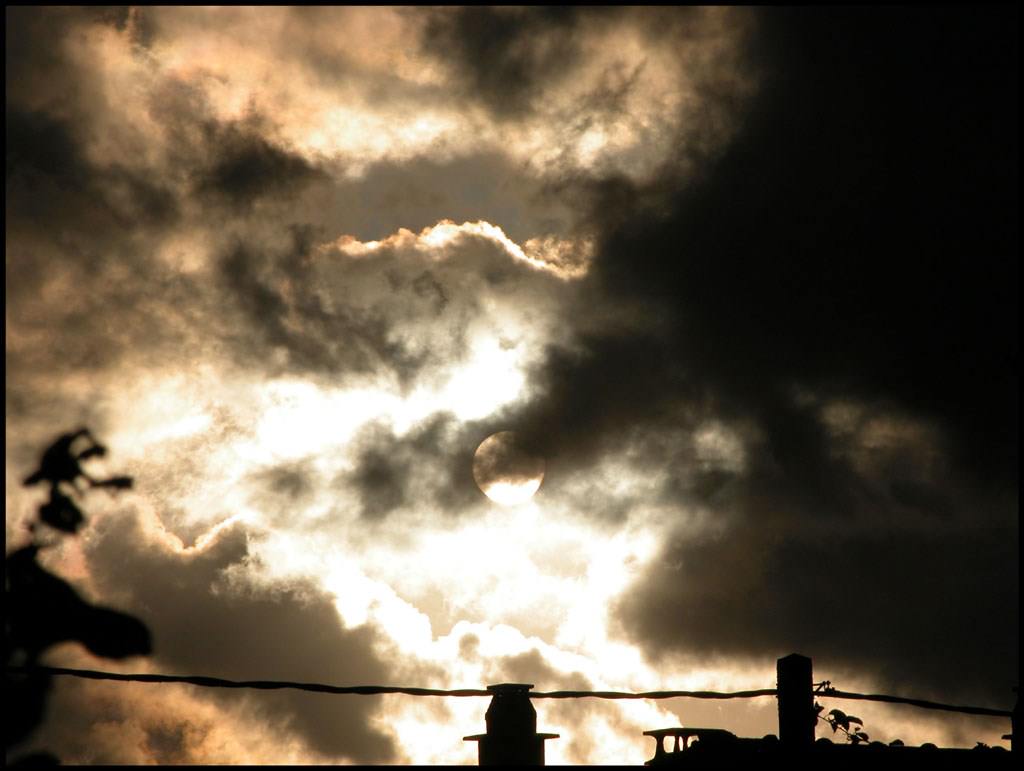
point(490, 377)
point(159, 409)
point(512, 493)
point(302, 419)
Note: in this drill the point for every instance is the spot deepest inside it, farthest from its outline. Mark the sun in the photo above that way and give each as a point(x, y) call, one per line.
point(505, 471)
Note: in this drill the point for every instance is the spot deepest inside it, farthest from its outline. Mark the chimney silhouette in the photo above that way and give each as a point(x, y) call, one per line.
point(511, 737)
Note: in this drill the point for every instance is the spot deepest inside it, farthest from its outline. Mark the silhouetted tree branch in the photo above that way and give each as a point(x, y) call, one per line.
point(42, 609)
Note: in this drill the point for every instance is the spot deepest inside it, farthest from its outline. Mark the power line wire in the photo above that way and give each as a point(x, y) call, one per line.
point(266, 685)
point(650, 694)
point(373, 690)
point(922, 703)
point(376, 690)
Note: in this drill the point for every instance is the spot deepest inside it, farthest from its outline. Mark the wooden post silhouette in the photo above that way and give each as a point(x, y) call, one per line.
point(796, 703)
point(511, 737)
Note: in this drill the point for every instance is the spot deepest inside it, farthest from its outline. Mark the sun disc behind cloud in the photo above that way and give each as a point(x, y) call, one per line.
point(505, 472)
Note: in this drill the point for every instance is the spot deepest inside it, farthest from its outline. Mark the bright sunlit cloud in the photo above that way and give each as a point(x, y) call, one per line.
point(561, 257)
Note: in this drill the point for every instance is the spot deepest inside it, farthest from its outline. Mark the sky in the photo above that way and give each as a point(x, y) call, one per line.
point(743, 282)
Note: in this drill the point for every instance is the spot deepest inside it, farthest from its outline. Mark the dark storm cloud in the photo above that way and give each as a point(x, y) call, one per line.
point(381, 482)
point(280, 489)
point(110, 221)
point(291, 481)
point(395, 312)
point(531, 667)
point(926, 612)
point(280, 294)
point(428, 466)
point(116, 724)
point(49, 178)
point(206, 618)
point(501, 54)
point(859, 229)
point(245, 167)
point(84, 223)
point(38, 67)
point(595, 391)
point(50, 105)
point(593, 78)
point(137, 21)
point(856, 240)
point(112, 217)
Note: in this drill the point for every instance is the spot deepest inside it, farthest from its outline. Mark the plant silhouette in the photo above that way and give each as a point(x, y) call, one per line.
point(43, 609)
point(838, 720)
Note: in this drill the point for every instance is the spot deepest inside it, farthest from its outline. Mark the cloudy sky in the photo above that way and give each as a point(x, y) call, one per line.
point(743, 281)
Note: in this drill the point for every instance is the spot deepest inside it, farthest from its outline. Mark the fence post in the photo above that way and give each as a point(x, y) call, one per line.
point(796, 702)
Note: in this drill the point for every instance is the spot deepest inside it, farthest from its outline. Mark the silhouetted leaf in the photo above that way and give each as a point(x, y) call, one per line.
point(43, 610)
point(59, 463)
point(61, 512)
point(121, 483)
point(38, 604)
point(852, 719)
point(114, 635)
point(839, 719)
point(96, 450)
